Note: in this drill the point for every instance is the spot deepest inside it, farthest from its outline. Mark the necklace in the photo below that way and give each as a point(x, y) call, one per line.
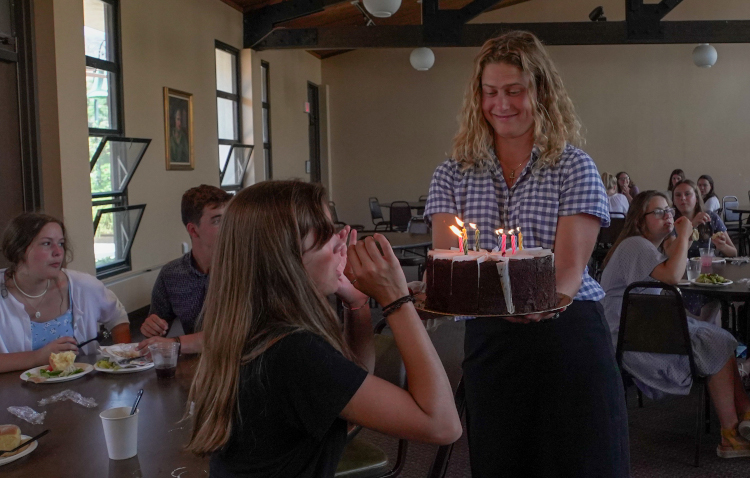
point(513, 171)
point(37, 314)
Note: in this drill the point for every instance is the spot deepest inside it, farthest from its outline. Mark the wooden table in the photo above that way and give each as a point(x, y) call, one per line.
point(75, 446)
point(405, 240)
point(736, 292)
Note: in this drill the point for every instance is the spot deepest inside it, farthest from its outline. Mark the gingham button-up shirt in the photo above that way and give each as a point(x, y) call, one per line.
point(480, 195)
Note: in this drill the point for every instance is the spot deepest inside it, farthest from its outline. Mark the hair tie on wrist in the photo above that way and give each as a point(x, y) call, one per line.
point(395, 305)
point(355, 308)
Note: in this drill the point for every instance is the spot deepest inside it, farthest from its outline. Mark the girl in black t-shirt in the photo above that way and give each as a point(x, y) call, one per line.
point(278, 378)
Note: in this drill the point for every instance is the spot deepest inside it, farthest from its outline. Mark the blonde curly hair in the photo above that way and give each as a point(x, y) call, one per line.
point(555, 120)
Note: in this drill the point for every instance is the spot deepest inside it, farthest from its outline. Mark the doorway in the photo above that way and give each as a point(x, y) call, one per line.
point(313, 101)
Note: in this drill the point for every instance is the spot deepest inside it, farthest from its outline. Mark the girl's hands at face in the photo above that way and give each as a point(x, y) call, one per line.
point(683, 226)
point(346, 290)
point(377, 275)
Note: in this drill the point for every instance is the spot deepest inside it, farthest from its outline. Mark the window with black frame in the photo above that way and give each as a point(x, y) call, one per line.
point(265, 98)
point(112, 158)
point(233, 155)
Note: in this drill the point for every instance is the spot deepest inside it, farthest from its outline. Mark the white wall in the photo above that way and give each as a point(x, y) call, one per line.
point(646, 108)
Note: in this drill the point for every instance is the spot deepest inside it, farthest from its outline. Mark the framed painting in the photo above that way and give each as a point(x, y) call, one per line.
point(178, 129)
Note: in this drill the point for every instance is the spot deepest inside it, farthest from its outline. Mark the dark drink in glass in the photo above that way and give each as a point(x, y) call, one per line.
point(165, 371)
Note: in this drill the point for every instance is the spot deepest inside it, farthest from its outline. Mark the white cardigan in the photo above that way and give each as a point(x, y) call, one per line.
point(93, 304)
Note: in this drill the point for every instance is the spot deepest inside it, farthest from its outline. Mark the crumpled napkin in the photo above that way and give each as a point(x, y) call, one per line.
point(74, 397)
point(28, 414)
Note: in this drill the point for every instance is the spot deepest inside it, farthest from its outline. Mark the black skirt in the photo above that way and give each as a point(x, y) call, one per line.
point(545, 399)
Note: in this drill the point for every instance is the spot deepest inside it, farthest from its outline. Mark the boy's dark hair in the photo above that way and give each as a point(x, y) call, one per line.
point(195, 199)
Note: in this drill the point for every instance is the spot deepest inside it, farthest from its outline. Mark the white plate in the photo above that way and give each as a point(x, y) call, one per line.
point(715, 260)
point(85, 366)
point(701, 284)
point(31, 447)
point(121, 351)
point(139, 368)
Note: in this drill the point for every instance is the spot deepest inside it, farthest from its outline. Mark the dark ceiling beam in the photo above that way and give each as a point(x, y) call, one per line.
point(258, 23)
point(475, 34)
point(644, 20)
point(448, 24)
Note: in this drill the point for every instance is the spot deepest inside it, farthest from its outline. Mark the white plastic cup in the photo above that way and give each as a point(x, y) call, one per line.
point(120, 432)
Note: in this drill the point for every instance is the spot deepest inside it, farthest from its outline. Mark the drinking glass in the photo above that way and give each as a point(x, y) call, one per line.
point(165, 355)
point(693, 269)
point(707, 257)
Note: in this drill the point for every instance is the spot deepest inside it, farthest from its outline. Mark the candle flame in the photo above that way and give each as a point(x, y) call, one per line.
point(510, 231)
point(456, 231)
point(473, 226)
point(459, 222)
point(499, 231)
point(518, 229)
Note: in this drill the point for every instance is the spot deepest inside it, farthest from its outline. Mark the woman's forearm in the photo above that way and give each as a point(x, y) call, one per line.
point(358, 334)
point(574, 242)
point(20, 361)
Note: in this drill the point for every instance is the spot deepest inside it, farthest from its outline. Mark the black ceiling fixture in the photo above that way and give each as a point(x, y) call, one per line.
point(597, 15)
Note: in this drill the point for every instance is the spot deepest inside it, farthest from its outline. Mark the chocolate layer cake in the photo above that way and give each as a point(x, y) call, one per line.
point(489, 283)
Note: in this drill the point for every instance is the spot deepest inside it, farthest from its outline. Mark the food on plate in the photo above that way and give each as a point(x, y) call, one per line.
point(106, 363)
point(61, 361)
point(10, 437)
point(717, 235)
point(711, 279)
point(122, 351)
point(696, 235)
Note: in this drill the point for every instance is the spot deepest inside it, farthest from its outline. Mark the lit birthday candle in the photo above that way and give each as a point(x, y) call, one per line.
point(502, 247)
point(457, 232)
point(476, 236)
point(498, 233)
point(520, 239)
point(464, 236)
point(512, 241)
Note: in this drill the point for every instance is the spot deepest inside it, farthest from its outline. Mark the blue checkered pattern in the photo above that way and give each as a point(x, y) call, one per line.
point(480, 195)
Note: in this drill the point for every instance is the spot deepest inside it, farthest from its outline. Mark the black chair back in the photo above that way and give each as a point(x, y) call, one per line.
point(654, 323)
point(727, 203)
point(400, 215)
point(332, 210)
point(608, 235)
point(417, 225)
point(423, 197)
point(375, 210)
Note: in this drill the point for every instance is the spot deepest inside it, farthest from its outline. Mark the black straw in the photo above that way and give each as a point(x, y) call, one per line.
point(25, 443)
point(137, 401)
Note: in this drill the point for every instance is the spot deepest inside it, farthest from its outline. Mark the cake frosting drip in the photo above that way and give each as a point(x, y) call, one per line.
point(489, 283)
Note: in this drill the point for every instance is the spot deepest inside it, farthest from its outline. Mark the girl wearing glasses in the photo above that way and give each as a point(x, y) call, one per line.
point(626, 186)
point(640, 254)
point(687, 199)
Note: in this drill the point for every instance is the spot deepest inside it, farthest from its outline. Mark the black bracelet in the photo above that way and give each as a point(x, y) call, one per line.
point(395, 305)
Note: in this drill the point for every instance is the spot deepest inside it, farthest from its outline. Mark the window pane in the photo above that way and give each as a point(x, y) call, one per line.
point(115, 233)
point(116, 164)
point(235, 170)
point(225, 71)
point(227, 110)
point(97, 16)
point(94, 142)
point(263, 84)
point(265, 125)
point(100, 95)
point(223, 152)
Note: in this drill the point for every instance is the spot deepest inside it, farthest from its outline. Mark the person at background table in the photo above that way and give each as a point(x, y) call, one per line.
point(641, 254)
point(279, 376)
point(626, 186)
point(674, 178)
point(180, 288)
point(706, 187)
point(45, 308)
point(688, 201)
point(514, 164)
point(618, 203)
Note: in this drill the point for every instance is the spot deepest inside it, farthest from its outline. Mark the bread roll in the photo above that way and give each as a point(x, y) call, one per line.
point(10, 437)
point(62, 360)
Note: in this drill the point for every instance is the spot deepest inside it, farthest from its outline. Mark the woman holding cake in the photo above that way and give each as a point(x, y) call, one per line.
point(528, 379)
point(640, 254)
point(45, 308)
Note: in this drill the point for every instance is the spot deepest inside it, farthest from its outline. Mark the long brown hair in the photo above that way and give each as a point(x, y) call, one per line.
point(704, 230)
point(635, 219)
point(259, 292)
point(678, 172)
point(555, 120)
point(21, 232)
point(631, 184)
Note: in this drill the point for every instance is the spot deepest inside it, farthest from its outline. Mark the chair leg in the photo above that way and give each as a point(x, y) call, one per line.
point(707, 408)
point(698, 434)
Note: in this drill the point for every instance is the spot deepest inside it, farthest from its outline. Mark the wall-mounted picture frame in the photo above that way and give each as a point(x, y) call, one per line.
point(178, 129)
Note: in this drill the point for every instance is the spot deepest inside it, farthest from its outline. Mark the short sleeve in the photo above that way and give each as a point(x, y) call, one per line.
point(582, 191)
point(160, 304)
point(441, 197)
point(316, 379)
point(637, 258)
point(716, 223)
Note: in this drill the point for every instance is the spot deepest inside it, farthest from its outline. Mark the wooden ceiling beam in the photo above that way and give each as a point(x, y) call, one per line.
point(475, 34)
point(260, 22)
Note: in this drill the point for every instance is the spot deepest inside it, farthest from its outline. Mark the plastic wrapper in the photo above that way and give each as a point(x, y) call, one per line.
point(74, 397)
point(28, 414)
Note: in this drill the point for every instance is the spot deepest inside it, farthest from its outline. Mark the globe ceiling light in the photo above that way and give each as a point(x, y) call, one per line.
point(704, 55)
point(382, 8)
point(422, 59)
